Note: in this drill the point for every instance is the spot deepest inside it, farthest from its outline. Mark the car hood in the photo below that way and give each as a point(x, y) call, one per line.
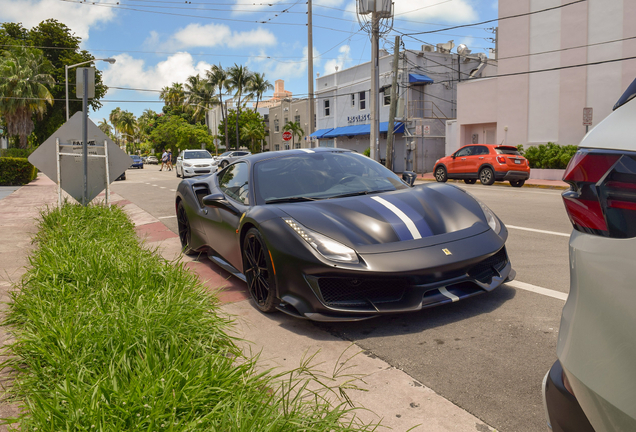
point(198, 161)
point(405, 219)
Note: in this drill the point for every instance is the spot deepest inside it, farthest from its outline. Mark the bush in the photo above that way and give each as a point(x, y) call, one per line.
point(16, 152)
point(548, 156)
point(16, 171)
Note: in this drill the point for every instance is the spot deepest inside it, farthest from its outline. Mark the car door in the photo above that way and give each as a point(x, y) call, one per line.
point(475, 159)
point(457, 165)
point(234, 184)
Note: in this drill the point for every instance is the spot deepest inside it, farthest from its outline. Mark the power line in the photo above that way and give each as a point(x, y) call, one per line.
point(499, 19)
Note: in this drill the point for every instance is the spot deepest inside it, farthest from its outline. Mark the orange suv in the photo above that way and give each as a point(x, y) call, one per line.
point(486, 162)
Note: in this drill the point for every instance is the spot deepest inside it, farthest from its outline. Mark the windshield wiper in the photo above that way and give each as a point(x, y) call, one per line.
point(360, 193)
point(290, 199)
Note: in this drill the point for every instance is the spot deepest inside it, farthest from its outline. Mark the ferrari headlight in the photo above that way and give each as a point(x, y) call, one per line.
point(492, 220)
point(187, 164)
point(328, 248)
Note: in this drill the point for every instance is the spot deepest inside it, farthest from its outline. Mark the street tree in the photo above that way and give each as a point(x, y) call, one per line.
point(295, 129)
point(255, 132)
point(246, 118)
point(24, 86)
point(258, 86)
point(218, 79)
point(239, 79)
point(105, 127)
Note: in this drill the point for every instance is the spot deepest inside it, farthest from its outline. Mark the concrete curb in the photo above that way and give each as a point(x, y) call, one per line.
point(504, 184)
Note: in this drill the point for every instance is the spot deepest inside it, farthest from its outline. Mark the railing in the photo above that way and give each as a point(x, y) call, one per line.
point(426, 110)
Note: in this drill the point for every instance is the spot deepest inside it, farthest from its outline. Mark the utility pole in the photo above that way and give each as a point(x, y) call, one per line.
point(310, 70)
point(375, 81)
point(393, 106)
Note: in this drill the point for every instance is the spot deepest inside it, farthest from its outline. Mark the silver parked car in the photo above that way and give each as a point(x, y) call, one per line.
point(223, 160)
point(592, 386)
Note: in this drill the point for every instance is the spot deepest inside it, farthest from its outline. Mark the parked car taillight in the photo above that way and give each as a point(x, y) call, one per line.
point(501, 159)
point(602, 195)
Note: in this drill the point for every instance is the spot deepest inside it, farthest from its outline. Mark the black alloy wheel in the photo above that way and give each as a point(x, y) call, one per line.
point(440, 174)
point(517, 183)
point(185, 234)
point(470, 181)
point(259, 272)
point(486, 176)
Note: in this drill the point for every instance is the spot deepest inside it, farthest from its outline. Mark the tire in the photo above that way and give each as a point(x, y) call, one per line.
point(517, 183)
point(440, 174)
point(487, 176)
point(223, 164)
point(258, 271)
point(185, 231)
point(470, 181)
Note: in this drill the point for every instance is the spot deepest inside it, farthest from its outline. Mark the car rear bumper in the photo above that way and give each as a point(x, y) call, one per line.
point(563, 412)
point(512, 175)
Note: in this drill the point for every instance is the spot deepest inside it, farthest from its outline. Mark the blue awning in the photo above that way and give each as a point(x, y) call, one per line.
point(364, 129)
point(419, 79)
point(320, 132)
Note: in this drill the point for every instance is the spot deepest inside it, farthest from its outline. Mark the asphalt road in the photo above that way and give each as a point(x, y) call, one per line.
point(487, 354)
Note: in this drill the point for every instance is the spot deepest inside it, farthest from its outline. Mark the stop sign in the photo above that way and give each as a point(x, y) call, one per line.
point(287, 135)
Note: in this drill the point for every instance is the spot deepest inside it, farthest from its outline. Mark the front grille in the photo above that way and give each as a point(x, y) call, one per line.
point(350, 292)
point(491, 266)
point(202, 166)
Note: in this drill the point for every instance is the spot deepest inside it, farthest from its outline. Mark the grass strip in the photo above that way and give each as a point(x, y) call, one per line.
point(111, 337)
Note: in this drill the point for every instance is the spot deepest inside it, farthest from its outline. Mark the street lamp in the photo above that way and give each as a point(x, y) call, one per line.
point(66, 68)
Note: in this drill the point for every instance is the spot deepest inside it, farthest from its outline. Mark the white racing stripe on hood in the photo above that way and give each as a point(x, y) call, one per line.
point(399, 213)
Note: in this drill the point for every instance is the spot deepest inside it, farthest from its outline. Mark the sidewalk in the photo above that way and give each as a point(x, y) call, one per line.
point(392, 395)
point(530, 183)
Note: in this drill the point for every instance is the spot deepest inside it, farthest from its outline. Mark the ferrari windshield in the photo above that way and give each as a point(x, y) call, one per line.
point(199, 154)
point(321, 175)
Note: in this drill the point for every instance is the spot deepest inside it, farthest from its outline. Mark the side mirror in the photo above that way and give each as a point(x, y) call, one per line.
point(218, 200)
point(179, 158)
point(453, 155)
point(409, 177)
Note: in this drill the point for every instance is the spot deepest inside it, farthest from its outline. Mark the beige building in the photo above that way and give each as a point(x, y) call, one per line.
point(279, 94)
point(288, 111)
point(551, 65)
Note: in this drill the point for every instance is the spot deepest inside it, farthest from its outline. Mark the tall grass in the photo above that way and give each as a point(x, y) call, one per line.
point(110, 337)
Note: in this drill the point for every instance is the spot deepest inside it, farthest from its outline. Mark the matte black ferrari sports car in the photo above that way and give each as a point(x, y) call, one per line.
point(331, 235)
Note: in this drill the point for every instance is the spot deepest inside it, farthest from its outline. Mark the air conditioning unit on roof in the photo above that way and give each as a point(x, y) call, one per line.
point(428, 48)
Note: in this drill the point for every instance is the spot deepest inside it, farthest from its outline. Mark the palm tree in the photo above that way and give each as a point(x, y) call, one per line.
point(259, 85)
point(23, 86)
point(253, 131)
point(200, 96)
point(105, 127)
point(128, 125)
point(295, 129)
point(174, 95)
point(115, 117)
point(218, 79)
point(239, 78)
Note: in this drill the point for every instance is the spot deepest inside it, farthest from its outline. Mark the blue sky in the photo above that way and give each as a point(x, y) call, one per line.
point(158, 42)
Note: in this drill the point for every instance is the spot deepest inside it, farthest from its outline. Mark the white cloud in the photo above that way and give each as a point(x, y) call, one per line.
point(286, 69)
point(135, 73)
point(220, 35)
point(78, 17)
point(341, 61)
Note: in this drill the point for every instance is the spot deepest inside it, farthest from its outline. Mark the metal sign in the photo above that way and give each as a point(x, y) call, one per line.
point(418, 129)
point(426, 129)
point(79, 81)
point(287, 136)
point(587, 116)
point(71, 167)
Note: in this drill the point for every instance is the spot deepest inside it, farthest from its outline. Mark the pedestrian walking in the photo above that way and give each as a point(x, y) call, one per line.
point(169, 160)
point(164, 160)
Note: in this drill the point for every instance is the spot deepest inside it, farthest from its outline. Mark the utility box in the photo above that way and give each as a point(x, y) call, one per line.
point(382, 7)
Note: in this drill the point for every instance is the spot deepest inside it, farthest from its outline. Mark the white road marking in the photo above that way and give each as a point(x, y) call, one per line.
point(448, 294)
point(399, 213)
point(539, 290)
point(155, 185)
point(162, 187)
point(173, 190)
point(538, 231)
point(166, 217)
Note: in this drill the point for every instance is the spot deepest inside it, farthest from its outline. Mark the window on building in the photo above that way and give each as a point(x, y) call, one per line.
point(387, 97)
point(297, 145)
point(266, 117)
point(286, 146)
point(276, 126)
point(362, 99)
point(326, 105)
point(353, 100)
point(297, 119)
point(286, 120)
point(277, 147)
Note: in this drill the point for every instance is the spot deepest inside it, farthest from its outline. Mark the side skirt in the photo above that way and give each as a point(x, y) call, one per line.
point(225, 265)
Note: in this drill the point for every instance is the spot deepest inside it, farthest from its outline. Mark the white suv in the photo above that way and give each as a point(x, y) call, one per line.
point(194, 162)
point(592, 386)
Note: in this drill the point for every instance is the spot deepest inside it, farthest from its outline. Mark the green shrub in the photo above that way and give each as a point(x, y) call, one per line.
point(548, 156)
point(108, 336)
point(16, 171)
point(16, 152)
point(367, 152)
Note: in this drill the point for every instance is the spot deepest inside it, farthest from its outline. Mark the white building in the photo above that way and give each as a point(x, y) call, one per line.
point(427, 88)
point(551, 65)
